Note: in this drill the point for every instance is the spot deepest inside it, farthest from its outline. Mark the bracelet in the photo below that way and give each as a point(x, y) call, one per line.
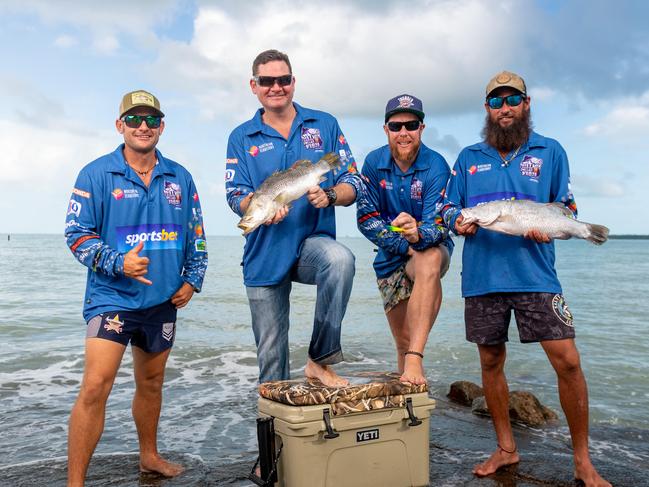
point(412, 352)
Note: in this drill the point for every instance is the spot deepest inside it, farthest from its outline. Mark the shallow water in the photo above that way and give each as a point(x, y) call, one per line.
point(209, 406)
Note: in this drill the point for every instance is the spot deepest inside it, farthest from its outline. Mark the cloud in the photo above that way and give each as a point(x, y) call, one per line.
point(585, 185)
point(629, 119)
point(65, 41)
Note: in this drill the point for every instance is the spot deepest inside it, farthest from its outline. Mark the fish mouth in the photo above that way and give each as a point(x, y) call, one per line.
point(246, 227)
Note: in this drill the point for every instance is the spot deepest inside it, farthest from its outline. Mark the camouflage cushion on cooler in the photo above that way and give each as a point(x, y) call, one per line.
point(366, 392)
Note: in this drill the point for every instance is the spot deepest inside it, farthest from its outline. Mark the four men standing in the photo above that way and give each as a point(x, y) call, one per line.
point(135, 221)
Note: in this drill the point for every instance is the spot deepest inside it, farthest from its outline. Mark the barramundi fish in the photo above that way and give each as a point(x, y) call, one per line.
point(517, 217)
point(283, 187)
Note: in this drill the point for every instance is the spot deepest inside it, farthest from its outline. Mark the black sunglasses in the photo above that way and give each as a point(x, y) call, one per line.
point(134, 121)
point(410, 125)
point(496, 102)
point(269, 81)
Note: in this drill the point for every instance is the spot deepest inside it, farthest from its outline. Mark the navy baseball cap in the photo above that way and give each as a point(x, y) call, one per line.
point(404, 103)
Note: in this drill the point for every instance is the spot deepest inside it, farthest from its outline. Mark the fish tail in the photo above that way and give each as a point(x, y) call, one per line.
point(598, 234)
point(332, 160)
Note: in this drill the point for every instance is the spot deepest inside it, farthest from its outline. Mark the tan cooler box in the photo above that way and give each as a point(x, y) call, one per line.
point(374, 432)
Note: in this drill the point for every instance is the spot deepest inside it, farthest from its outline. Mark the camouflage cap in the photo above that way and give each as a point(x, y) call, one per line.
point(139, 98)
point(506, 79)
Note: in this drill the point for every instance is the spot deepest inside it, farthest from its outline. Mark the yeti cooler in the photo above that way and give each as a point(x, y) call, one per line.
point(374, 432)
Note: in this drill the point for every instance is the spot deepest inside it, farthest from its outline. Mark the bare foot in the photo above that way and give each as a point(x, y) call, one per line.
point(155, 463)
point(325, 374)
point(589, 476)
point(498, 459)
point(413, 370)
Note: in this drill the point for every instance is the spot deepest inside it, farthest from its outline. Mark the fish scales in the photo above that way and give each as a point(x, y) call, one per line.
point(517, 217)
point(283, 187)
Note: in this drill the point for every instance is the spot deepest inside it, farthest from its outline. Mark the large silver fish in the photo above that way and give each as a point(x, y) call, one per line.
point(282, 187)
point(517, 217)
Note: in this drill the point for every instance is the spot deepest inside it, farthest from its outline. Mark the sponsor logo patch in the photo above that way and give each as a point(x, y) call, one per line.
point(560, 308)
point(311, 138)
point(531, 167)
point(406, 101)
point(232, 161)
point(74, 208)
point(342, 139)
point(200, 245)
point(154, 236)
point(79, 192)
point(80, 240)
point(416, 189)
point(113, 324)
point(386, 184)
point(473, 170)
point(118, 194)
point(484, 167)
point(172, 192)
point(229, 175)
point(168, 330)
point(253, 151)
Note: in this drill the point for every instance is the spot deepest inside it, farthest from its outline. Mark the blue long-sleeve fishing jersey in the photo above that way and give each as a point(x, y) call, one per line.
point(111, 211)
point(388, 191)
point(493, 262)
point(255, 151)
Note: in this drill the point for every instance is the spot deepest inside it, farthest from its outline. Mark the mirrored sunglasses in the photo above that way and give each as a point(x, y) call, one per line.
point(496, 102)
point(134, 121)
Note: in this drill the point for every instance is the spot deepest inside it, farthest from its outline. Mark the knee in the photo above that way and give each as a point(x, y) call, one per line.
point(492, 362)
point(341, 259)
point(150, 385)
point(428, 264)
point(568, 364)
point(95, 391)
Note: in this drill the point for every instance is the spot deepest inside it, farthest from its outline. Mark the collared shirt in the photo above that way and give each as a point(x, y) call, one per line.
point(389, 191)
point(111, 211)
point(255, 151)
point(493, 262)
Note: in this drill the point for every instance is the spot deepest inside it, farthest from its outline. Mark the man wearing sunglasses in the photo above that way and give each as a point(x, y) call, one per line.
point(501, 273)
point(135, 221)
point(397, 211)
point(297, 244)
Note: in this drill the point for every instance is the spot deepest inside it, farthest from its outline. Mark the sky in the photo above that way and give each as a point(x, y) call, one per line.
point(66, 64)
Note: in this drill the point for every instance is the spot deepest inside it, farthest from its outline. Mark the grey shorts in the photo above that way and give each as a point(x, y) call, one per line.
point(539, 317)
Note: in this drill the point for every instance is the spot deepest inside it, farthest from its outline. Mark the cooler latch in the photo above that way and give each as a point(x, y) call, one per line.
point(414, 420)
point(331, 433)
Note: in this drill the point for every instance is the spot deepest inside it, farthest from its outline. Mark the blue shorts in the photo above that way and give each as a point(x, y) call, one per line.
point(152, 329)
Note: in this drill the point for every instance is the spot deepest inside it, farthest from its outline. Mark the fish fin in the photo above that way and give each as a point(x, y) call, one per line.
point(300, 163)
point(331, 159)
point(598, 233)
point(564, 209)
point(322, 179)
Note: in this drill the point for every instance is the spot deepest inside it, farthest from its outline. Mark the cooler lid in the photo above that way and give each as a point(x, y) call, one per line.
point(367, 391)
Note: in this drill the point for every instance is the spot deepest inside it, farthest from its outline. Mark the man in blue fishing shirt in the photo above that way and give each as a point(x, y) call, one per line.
point(502, 273)
point(403, 185)
point(296, 244)
point(134, 219)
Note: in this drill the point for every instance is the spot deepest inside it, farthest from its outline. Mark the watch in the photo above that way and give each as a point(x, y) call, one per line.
point(331, 196)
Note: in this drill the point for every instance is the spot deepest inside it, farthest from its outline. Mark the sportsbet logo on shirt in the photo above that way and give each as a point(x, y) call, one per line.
point(154, 236)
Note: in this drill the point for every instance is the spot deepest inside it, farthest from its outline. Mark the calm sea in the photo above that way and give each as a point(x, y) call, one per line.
point(209, 404)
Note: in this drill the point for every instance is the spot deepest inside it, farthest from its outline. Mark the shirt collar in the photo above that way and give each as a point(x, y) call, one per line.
point(422, 162)
point(257, 124)
point(118, 163)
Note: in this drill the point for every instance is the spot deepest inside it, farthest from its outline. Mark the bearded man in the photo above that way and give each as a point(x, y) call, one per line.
point(403, 186)
point(501, 273)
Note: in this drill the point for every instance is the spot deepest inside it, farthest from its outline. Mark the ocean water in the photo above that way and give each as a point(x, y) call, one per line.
point(209, 403)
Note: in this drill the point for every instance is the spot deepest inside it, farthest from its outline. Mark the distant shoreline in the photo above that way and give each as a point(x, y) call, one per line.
point(612, 237)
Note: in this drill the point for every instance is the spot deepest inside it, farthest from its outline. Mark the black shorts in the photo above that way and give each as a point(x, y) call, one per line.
point(152, 329)
point(539, 316)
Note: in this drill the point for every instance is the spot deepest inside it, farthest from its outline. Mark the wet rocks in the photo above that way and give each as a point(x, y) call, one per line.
point(464, 392)
point(524, 407)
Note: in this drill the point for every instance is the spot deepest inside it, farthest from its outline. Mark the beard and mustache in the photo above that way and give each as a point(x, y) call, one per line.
point(506, 139)
point(405, 155)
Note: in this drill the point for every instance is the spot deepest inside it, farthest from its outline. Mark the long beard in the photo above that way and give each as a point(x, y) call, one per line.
point(508, 138)
point(405, 156)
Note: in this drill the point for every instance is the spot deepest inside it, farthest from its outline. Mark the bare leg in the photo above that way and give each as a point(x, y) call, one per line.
point(573, 394)
point(425, 269)
point(494, 383)
point(397, 319)
point(87, 418)
point(149, 371)
point(325, 374)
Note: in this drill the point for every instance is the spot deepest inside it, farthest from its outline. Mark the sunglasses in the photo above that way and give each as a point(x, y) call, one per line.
point(496, 102)
point(410, 125)
point(134, 121)
point(269, 81)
